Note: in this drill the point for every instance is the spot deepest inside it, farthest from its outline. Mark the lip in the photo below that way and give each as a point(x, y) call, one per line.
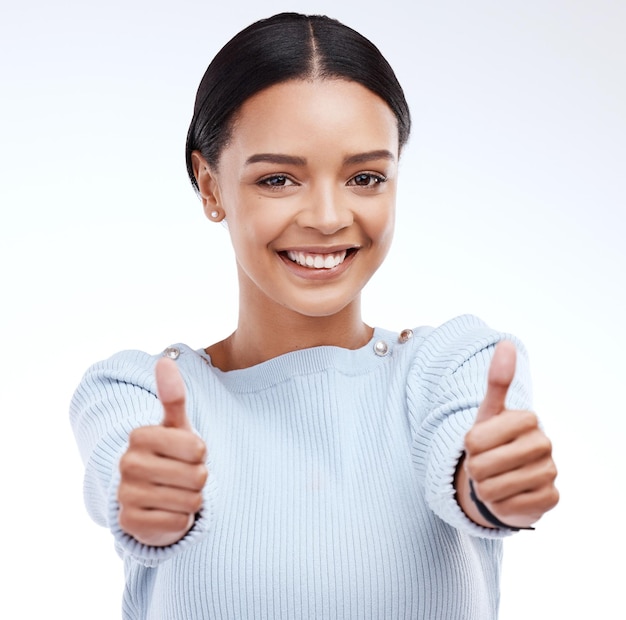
point(309, 273)
point(320, 249)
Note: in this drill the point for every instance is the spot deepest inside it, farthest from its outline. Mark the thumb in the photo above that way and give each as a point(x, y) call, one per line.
point(501, 373)
point(171, 393)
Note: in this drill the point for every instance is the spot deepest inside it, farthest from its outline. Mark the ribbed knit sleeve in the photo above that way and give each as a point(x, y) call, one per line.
point(446, 385)
point(114, 397)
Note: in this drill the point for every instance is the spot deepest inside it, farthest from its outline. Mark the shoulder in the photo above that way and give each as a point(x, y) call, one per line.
point(433, 353)
point(445, 348)
point(454, 358)
point(442, 349)
point(123, 387)
point(123, 369)
point(136, 368)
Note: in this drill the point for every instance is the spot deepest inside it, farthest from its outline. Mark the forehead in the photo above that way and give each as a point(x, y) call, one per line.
point(299, 115)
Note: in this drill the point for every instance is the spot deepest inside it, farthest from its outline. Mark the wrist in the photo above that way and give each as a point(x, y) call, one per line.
point(472, 506)
point(487, 515)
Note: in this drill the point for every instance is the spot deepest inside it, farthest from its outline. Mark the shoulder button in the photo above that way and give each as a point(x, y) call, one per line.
point(405, 336)
point(172, 352)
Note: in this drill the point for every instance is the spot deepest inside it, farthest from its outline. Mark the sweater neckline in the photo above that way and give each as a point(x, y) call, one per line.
point(307, 362)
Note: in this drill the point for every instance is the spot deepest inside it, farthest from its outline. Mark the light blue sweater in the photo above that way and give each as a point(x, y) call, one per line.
point(330, 491)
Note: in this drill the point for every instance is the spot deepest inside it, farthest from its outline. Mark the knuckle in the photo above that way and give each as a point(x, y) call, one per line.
point(123, 495)
point(547, 445)
point(122, 519)
point(144, 437)
point(528, 420)
point(131, 465)
point(486, 492)
point(473, 472)
point(199, 503)
point(177, 521)
point(199, 450)
point(195, 503)
point(201, 476)
point(126, 519)
point(137, 437)
point(550, 472)
point(475, 469)
point(542, 447)
point(471, 441)
point(555, 496)
point(547, 501)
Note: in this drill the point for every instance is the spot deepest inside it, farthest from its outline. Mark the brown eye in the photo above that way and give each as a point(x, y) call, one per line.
point(367, 179)
point(275, 181)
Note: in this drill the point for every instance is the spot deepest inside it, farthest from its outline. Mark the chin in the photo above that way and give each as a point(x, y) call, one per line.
point(320, 308)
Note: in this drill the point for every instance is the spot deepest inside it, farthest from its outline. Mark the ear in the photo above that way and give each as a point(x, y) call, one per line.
point(208, 187)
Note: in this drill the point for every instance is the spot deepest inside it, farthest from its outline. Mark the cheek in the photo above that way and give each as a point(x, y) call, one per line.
point(253, 228)
point(380, 225)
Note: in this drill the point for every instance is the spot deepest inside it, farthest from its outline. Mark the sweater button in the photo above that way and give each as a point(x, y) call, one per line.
point(172, 352)
point(405, 335)
point(381, 348)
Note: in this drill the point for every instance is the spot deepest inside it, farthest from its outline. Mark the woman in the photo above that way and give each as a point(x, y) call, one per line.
point(309, 465)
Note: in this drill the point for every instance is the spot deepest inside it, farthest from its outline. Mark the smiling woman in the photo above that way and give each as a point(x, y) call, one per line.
point(308, 464)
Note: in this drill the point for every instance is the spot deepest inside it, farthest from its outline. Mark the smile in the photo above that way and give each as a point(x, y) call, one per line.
point(317, 261)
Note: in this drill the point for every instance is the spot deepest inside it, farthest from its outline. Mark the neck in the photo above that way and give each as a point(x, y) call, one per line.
point(262, 336)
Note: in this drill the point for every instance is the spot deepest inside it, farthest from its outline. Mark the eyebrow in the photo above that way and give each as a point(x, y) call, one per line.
point(280, 158)
point(276, 158)
point(361, 158)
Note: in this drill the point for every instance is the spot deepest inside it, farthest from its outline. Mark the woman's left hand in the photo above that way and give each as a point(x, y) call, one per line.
point(507, 456)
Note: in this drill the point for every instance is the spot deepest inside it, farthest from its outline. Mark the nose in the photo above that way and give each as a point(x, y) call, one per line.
point(326, 210)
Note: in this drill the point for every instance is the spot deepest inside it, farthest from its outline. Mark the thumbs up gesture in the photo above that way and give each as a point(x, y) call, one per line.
point(508, 457)
point(163, 470)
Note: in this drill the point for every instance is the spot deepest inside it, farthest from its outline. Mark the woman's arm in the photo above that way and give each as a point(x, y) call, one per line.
point(117, 420)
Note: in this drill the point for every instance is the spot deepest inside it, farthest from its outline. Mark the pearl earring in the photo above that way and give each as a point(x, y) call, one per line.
point(215, 214)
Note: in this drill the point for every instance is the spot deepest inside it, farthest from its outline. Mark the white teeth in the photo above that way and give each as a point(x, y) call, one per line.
point(317, 261)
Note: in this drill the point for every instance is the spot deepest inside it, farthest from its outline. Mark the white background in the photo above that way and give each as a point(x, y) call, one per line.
point(511, 206)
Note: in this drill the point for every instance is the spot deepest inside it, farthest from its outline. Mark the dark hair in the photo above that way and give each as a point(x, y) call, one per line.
point(284, 47)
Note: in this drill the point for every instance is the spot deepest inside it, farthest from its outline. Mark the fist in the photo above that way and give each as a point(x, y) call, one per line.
point(163, 470)
point(507, 455)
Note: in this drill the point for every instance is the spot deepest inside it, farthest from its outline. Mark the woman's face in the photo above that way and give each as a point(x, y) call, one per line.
point(308, 186)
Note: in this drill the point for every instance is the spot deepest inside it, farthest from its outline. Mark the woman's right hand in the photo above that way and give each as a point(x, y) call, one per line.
point(163, 470)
